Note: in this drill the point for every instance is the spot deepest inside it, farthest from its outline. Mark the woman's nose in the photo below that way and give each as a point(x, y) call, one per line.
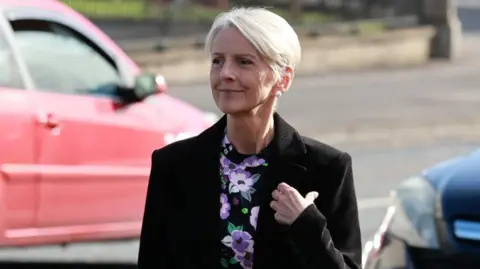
point(228, 71)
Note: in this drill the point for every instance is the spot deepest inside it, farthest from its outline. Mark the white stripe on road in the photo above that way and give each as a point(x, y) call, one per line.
point(372, 203)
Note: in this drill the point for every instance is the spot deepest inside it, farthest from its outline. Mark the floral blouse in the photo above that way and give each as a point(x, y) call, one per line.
point(239, 177)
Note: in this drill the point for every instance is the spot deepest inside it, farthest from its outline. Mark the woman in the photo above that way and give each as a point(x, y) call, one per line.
point(277, 189)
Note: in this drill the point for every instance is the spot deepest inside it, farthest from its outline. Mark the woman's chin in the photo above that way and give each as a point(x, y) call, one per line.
point(231, 109)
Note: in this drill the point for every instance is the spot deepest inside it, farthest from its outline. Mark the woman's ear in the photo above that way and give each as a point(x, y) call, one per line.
point(285, 80)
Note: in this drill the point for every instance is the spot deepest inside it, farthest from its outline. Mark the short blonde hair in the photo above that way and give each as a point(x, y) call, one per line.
point(270, 34)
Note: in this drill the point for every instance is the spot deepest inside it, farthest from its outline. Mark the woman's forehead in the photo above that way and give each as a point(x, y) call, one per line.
point(230, 40)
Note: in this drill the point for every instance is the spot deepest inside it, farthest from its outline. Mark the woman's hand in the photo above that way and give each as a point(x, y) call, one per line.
point(288, 203)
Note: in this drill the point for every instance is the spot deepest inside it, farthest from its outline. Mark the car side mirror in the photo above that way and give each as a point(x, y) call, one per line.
point(147, 84)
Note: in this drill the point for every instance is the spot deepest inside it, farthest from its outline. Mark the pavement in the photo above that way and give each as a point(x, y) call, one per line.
point(394, 123)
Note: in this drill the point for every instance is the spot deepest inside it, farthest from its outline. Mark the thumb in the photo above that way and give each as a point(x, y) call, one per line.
point(311, 196)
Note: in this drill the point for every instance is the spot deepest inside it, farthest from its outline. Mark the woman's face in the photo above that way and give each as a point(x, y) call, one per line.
point(241, 80)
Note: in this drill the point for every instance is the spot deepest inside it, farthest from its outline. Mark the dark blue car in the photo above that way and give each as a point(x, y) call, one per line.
point(433, 221)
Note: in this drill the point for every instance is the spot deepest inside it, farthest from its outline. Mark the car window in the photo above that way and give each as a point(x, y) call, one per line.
point(9, 73)
point(61, 60)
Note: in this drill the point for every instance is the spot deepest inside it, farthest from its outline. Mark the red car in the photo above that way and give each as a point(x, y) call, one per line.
point(78, 124)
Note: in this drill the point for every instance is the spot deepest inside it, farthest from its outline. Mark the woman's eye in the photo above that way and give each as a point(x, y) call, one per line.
point(245, 62)
point(216, 61)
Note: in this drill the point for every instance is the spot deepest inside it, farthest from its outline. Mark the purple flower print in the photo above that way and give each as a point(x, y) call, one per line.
point(253, 161)
point(227, 165)
point(241, 241)
point(245, 259)
point(225, 208)
point(225, 141)
point(224, 180)
point(240, 181)
point(245, 256)
point(226, 144)
point(254, 216)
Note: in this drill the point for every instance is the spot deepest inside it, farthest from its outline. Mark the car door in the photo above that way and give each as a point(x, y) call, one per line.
point(18, 170)
point(94, 150)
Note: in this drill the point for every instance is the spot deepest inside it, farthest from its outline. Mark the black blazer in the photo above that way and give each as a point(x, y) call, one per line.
point(181, 219)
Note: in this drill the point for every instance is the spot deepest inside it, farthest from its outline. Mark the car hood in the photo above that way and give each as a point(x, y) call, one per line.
point(175, 115)
point(458, 182)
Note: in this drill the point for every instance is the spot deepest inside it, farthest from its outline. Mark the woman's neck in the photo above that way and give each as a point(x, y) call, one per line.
point(250, 133)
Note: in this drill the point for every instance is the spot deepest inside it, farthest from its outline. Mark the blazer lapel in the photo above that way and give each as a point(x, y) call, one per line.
point(287, 166)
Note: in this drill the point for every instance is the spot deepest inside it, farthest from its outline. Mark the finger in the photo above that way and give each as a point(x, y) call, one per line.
point(274, 205)
point(280, 218)
point(311, 196)
point(283, 187)
point(277, 195)
point(280, 207)
point(288, 191)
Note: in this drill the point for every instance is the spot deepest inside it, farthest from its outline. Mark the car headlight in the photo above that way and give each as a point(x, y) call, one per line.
point(374, 246)
point(412, 216)
point(416, 203)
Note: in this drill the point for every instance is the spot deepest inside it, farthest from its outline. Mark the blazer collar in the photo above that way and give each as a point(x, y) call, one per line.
point(287, 141)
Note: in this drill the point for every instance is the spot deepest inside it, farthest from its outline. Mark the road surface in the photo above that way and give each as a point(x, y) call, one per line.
point(441, 94)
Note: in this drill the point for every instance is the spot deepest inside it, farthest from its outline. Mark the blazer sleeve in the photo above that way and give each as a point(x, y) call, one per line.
point(338, 244)
point(152, 253)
